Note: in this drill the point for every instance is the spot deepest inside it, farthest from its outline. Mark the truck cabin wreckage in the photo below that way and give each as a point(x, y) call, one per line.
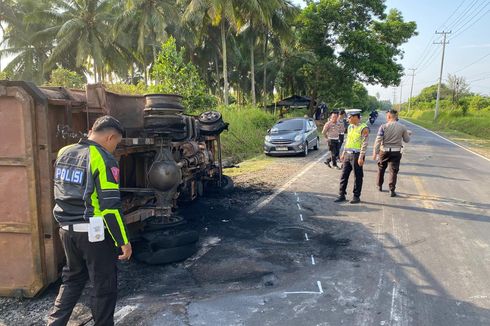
point(165, 157)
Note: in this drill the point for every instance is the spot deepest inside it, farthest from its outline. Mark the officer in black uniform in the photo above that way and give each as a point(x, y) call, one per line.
point(88, 204)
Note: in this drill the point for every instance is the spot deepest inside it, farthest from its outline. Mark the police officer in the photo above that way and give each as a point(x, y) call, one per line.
point(388, 149)
point(342, 120)
point(332, 130)
point(353, 156)
point(86, 191)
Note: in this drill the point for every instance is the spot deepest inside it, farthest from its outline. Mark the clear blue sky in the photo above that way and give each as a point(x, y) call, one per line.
point(469, 21)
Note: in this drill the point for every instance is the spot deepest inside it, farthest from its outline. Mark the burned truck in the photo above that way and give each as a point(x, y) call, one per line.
point(166, 158)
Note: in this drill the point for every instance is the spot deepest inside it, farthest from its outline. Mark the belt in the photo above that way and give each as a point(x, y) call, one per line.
point(352, 152)
point(392, 149)
point(333, 139)
point(80, 227)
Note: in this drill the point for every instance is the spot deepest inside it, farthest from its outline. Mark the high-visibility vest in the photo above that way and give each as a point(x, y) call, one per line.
point(354, 137)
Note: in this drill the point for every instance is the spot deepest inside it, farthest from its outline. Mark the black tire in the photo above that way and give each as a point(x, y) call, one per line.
point(317, 144)
point(305, 151)
point(165, 256)
point(226, 184)
point(170, 240)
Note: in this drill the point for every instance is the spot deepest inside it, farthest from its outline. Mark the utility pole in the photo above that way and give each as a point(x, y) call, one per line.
point(394, 97)
point(401, 90)
point(411, 88)
point(444, 42)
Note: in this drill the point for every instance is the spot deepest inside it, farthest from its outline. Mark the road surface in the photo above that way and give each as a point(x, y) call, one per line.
point(292, 256)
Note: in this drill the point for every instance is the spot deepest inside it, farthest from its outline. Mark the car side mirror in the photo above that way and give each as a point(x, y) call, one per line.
point(268, 131)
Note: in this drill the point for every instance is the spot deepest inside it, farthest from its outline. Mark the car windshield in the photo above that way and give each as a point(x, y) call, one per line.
point(288, 125)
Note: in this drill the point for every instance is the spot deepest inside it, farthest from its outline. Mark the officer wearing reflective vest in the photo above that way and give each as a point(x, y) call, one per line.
point(353, 156)
point(88, 210)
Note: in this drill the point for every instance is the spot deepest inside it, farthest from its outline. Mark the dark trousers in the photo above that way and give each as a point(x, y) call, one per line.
point(341, 141)
point(333, 147)
point(87, 260)
point(350, 163)
point(391, 160)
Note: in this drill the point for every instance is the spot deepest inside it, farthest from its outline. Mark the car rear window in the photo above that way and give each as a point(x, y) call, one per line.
point(288, 125)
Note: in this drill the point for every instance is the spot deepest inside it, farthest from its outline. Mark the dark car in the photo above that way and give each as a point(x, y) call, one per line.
point(292, 136)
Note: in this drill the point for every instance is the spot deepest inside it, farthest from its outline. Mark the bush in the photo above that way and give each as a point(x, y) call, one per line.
point(66, 78)
point(176, 76)
point(130, 89)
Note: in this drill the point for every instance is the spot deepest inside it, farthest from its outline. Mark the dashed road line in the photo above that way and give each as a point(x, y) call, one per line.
point(299, 207)
point(267, 200)
point(306, 237)
point(313, 260)
point(320, 288)
point(301, 217)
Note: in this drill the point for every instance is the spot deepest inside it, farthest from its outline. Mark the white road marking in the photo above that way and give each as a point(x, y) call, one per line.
point(306, 236)
point(297, 199)
point(319, 286)
point(301, 217)
point(449, 141)
point(303, 292)
point(299, 207)
point(392, 311)
point(313, 260)
point(266, 201)
point(123, 312)
point(295, 194)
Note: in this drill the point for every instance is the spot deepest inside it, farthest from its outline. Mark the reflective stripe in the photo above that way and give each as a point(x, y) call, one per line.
point(97, 164)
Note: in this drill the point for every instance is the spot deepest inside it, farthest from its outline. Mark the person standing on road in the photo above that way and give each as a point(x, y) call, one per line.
point(388, 149)
point(332, 129)
point(353, 156)
point(88, 210)
point(345, 123)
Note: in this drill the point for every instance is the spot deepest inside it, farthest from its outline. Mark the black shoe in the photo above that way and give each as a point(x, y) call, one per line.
point(380, 188)
point(328, 164)
point(337, 167)
point(340, 199)
point(393, 193)
point(355, 200)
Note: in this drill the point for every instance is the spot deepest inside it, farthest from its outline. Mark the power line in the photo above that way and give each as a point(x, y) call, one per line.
point(462, 17)
point(475, 62)
point(476, 21)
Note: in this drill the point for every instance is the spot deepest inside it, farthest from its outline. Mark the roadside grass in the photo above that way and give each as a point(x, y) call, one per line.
point(471, 130)
point(254, 164)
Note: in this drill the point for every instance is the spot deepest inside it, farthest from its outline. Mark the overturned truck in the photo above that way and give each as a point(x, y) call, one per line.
point(166, 157)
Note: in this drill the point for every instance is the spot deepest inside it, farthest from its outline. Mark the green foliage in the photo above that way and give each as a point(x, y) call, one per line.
point(138, 89)
point(66, 78)
point(475, 123)
point(174, 75)
point(248, 127)
point(351, 41)
point(429, 94)
point(5, 75)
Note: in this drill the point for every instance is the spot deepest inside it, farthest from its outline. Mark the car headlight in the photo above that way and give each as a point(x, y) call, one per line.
point(298, 138)
point(267, 138)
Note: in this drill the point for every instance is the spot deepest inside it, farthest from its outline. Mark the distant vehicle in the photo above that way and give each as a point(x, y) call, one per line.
point(292, 136)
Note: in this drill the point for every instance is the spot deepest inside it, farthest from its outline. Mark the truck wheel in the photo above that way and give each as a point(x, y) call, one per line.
point(226, 184)
point(165, 241)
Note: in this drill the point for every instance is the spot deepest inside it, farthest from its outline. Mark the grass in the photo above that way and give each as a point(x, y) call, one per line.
point(471, 130)
point(255, 164)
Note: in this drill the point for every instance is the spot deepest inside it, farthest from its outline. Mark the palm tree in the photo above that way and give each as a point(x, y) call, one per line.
point(83, 25)
point(147, 20)
point(22, 41)
point(219, 13)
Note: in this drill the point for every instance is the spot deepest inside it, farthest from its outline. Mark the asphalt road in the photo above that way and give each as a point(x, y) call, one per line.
point(293, 257)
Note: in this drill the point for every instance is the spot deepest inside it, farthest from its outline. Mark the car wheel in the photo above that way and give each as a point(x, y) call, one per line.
point(317, 143)
point(305, 151)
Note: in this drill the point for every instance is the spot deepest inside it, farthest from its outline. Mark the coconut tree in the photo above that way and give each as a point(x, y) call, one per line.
point(148, 21)
point(218, 13)
point(82, 25)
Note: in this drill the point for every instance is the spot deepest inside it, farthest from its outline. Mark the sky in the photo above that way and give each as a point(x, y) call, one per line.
point(469, 21)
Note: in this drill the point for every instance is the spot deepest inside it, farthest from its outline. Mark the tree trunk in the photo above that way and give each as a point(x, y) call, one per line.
point(252, 67)
point(225, 64)
point(218, 78)
point(145, 71)
point(264, 90)
point(95, 72)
